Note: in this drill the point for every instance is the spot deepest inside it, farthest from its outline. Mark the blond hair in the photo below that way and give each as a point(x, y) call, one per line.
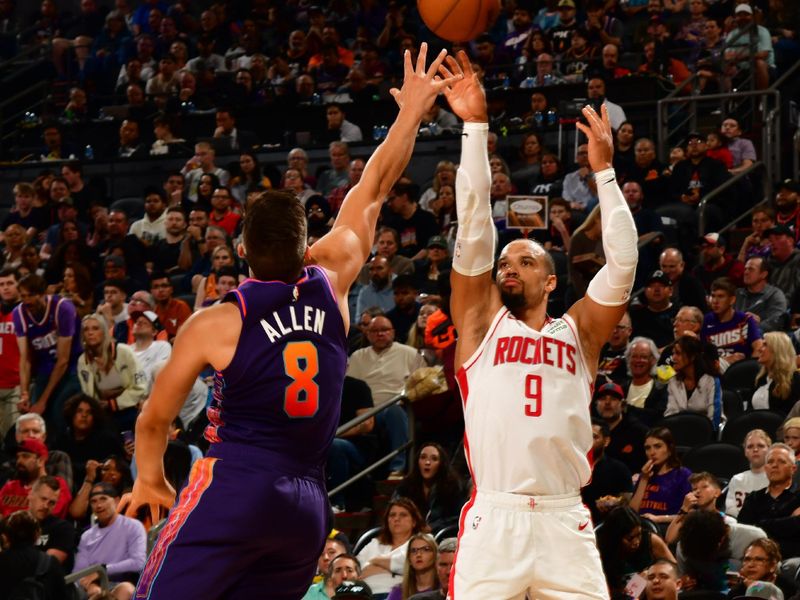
point(783, 365)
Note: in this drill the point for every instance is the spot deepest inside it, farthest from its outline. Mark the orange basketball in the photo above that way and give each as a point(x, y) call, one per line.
point(458, 20)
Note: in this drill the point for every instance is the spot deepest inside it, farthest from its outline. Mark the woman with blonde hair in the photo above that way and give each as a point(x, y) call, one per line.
point(778, 381)
point(109, 372)
point(586, 256)
point(419, 572)
point(445, 174)
point(221, 256)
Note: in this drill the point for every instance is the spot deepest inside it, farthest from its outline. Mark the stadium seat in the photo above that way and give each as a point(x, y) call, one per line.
point(446, 532)
point(365, 539)
point(741, 375)
point(735, 430)
point(732, 404)
point(720, 459)
point(689, 429)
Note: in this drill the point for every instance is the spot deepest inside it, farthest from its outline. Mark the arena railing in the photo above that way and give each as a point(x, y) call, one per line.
point(385, 459)
point(796, 155)
point(78, 575)
point(718, 191)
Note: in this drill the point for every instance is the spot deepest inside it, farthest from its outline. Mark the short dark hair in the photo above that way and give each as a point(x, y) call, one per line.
point(9, 272)
point(274, 234)
point(72, 404)
point(49, 481)
point(227, 271)
point(160, 275)
point(152, 189)
point(407, 189)
point(33, 283)
point(176, 209)
point(74, 166)
point(21, 529)
point(763, 263)
point(704, 476)
point(117, 283)
point(724, 284)
point(404, 281)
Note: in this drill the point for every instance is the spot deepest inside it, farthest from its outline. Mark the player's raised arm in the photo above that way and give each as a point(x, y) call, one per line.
point(346, 247)
point(597, 313)
point(474, 297)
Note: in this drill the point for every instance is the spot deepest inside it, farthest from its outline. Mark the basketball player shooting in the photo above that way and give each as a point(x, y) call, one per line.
point(525, 379)
point(253, 518)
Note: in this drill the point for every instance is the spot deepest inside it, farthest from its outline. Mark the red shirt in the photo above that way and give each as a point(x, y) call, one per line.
point(14, 497)
point(228, 221)
point(9, 353)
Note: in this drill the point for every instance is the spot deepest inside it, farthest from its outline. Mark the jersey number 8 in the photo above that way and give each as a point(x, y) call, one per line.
point(301, 363)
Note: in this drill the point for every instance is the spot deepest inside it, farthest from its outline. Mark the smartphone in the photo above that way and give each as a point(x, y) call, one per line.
point(127, 437)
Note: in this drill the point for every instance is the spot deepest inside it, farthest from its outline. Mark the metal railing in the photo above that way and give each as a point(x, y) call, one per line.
point(796, 155)
point(717, 191)
point(385, 459)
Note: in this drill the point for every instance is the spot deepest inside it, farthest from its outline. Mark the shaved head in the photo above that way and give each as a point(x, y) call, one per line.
point(536, 249)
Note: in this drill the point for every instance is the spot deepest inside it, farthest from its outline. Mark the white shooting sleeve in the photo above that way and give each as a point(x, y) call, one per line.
point(612, 284)
point(475, 239)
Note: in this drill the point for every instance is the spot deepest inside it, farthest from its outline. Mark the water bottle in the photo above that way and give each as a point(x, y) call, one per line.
point(88, 152)
point(376, 133)
point(551, 116)
point(434, 128)
point(538, 118)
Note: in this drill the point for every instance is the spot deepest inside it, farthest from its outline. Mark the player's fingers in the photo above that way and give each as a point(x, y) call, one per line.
point(591, 115)
point(586, 130)
point(465, 63)
point(604, 116)
point(434, 68)
point(449, 81)
point(422, 58)
point(445, 71)
point(408, 69)
point(452, 64)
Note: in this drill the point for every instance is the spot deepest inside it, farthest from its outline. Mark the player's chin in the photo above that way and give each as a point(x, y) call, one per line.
point(512, 298)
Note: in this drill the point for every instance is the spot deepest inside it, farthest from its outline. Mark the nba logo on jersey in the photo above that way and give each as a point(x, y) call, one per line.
point(475, 522)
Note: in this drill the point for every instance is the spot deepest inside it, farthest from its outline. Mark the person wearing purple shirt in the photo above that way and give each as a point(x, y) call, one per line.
point(736, 334)
point(663, 483)
point(116, 541)
point(47, 331)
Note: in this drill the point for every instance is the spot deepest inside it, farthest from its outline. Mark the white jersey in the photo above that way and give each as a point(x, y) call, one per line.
point(526, 396)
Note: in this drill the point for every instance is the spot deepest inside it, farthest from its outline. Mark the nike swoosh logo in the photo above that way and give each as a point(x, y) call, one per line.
point(583, 525)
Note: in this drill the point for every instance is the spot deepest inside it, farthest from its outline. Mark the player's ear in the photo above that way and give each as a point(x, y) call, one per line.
point(550, 284)
point(307, 258)
point(240, 250)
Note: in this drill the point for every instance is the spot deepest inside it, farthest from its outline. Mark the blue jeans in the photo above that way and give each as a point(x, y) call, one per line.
point(394, 422)
point(344, 461)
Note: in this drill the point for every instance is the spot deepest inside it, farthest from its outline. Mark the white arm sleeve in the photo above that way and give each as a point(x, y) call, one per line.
point(612, 284)
point(475, 239)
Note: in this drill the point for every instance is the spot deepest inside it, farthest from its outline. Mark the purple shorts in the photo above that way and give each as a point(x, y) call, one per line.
point(249, 524)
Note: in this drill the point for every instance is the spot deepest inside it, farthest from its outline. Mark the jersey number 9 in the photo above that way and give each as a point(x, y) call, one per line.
point(301, 363)
point(533, 392)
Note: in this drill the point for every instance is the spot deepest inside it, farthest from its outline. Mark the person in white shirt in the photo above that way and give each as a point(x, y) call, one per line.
point(596, 90)
point(201, 163)
point(385, 366)
point(756, 444)
point(148, 351)
point(152, 227)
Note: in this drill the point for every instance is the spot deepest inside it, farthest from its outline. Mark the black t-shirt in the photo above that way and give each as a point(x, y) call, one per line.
point(655, 325)
point(612, 365)
point(58, 534)
point(414, 231)
point(98, 446)
point(610, 477)
point(39, 217)
point(627, 443)
point(165, 255)
point(18, 563)
point(402, 322)
point(357, 396)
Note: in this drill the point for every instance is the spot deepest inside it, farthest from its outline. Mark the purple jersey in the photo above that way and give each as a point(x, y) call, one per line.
point(736, 335)
point(282, 389)
point(59, 320)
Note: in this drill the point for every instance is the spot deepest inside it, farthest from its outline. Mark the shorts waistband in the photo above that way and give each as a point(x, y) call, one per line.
point(269, 460)
point(523, 503)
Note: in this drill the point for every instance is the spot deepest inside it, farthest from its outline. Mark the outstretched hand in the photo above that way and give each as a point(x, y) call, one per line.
point(601, 139)
point(465, 96)
point(421, 86)
point(156, 499)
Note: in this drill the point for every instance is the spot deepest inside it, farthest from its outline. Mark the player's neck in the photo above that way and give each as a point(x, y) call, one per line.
point(534, 317)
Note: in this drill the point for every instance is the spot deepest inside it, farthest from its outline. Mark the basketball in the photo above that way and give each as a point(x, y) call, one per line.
point(458, 20)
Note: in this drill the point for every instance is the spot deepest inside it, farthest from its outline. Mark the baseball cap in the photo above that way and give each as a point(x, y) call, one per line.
point(746, 8)
point(66, 200)
point(147, 314)
point(780, 230)
point(610, 389)
point(658, 276)
point(712, 239)
point(115, 260)
point(569, 3)
point(437, 241)
point(762, 589)
point(352, 589)
point(33, 447)
point(789, 184)
point(104, 489)
point(695, 135)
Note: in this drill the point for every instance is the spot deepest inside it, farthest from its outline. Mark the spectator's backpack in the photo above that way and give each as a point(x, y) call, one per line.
point(33, 587)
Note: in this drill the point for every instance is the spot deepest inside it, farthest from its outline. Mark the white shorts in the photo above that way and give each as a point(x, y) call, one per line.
point(511, 545)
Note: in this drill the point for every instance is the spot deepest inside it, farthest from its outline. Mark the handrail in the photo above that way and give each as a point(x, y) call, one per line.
point(796, 153)
point(785, 76)
point(385, 459)
point(701, 208)
point(98, 568)
point(40, 49)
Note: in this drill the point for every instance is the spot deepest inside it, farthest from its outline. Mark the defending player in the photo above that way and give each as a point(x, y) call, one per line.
point(525, 380)
point(254, 516)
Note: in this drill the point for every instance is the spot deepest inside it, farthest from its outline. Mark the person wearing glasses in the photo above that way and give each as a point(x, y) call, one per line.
point(419, 572)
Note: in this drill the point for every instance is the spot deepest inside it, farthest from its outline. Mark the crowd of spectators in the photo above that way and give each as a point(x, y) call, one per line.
point(93, 292)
